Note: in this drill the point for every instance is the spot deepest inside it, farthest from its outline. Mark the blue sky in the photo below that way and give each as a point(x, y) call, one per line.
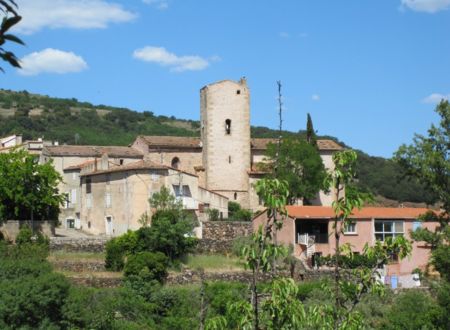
point(368, 72)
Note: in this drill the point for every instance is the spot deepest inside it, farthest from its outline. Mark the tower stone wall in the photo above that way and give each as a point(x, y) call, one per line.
point(225, 133)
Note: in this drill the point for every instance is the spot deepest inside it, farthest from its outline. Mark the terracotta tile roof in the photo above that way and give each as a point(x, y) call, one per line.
point(323, 212)
point(139, 165)
point(172, 141)
point(261, 144)
point(92, 151)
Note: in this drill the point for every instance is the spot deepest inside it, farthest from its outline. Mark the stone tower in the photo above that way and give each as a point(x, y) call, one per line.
point(225, 133)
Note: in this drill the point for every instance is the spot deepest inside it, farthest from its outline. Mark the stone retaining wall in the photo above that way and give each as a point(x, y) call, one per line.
point(11, 228)
point(85, 244)
point(79, 266)
point(218, 236)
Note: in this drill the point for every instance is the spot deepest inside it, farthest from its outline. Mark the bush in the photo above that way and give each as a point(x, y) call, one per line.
point(170, 233)
point(117, 248)
point(213, 214)
point(239, 243)
point(243, 215)
point(306, 288)
point(412, 309)
point(147, 265)
point(25, 235)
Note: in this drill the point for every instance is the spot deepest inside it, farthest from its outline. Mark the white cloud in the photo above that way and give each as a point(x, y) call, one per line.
point(284, 35)
point(161, 56)
point(51, 61)
point(315, 97)
point(75, 14)
point(428, 6)
point(160, 4)
point(436, 98)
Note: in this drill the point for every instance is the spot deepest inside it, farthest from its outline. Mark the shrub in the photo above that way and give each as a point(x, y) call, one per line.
point(117, 248)
point(170, 233)
point(412, 309)
point(25, 235)
point(213, 214)
point(306, 288)
point(243, 215)
point(239, 243)
point(147, 265)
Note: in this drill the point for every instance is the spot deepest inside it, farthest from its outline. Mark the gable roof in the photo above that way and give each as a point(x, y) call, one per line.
point(182, 142)
point(262, 143)
point(92, 151)
point(325, 212)
point(139, 165)
point(175, 142)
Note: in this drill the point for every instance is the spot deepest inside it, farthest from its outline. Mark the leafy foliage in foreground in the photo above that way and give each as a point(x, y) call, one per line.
point(27, 189)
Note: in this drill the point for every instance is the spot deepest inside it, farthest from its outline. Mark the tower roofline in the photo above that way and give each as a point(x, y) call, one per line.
point(242, 81)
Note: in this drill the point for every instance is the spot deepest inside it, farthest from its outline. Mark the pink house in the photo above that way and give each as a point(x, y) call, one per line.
point(310, 230)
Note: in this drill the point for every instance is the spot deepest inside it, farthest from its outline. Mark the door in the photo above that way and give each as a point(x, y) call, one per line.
point(109, 225)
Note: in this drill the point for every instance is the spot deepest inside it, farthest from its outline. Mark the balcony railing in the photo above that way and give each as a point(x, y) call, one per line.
point(188, 202)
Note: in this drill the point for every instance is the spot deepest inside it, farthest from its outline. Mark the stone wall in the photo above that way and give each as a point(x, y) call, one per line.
point(11, 228)
point(218, 236)
point(90, 244)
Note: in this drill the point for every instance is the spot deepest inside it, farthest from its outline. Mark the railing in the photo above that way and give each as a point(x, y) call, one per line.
point(189, 203)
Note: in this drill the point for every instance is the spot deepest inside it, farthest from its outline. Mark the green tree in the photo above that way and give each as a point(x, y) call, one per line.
point(311, 136)
point(428, 159)
point(300, 165)
point(360, 272)
point(10, 18)
point(28, 190)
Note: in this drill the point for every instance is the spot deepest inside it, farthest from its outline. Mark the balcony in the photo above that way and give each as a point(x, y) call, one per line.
point(188, 202)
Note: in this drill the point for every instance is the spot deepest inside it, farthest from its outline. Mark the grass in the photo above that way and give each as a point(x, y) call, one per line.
point(74, 256)
point(213, 262)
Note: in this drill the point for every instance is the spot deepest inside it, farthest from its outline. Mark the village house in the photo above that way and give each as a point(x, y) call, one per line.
point(309, 230)
point(70, 160)
point(15, 141)
point(115, 199)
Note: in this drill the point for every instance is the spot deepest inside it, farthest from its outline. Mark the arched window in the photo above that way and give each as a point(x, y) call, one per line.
point(235, 196)
point(228, 126)
point(175, 162)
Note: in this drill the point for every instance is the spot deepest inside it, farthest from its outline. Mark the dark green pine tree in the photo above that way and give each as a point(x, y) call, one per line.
point(311, 137)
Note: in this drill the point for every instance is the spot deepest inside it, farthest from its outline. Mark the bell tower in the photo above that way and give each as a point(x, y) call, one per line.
point(225, 134)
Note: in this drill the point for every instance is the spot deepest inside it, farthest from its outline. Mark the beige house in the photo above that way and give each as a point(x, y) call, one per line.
point(114, 199)
point(69, 161)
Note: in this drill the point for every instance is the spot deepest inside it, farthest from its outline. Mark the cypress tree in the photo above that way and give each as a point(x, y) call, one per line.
point(311, 137)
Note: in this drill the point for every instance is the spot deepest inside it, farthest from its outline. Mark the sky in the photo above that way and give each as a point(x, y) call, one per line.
point(369, 72)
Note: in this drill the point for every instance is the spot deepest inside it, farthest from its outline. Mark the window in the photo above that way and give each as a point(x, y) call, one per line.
point(417, 225)
point(121, 161)
point(108, 199)
point(88, 185)
point(228, 126)
point(235, 196)
point(350, 228)
point(73, 196)
point(89, 200)
point(388, 228)
point(229, 159)
point(184, 191)
point(238, 92)
point(175, 162)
